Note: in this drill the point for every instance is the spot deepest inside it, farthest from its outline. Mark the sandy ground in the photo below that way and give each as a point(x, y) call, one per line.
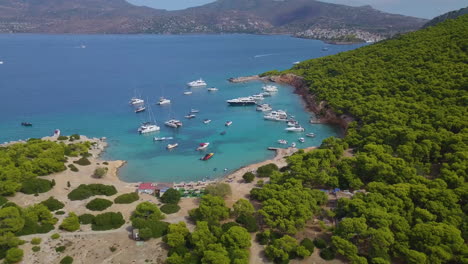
point(87, 246)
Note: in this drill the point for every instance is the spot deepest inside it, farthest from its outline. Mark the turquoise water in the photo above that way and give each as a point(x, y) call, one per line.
point(50, 81)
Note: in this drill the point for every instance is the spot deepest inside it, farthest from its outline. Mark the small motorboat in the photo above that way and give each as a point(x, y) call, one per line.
point(212, 89)
point(264, 108)
point(162, 138)
point(148, 127)
point(302, 140)
point(228, 123)
point(171, 146)
point(282, 141)
point(292, 123)
point(310, 134)
point(270, 88)
point(257, 97)
point(295, 129)
point(140, 109)
point(197, 83)
point(193, 111)
point(203, 146)
point(163, 101)
point(223, 133)
point(173, 123)
point(206, 121)
point(293, 145)
point(188, 93)
point(265, 94)
point(27, 124)
point(136, 101)
point(190, 116)
point(296, 62)
point(207, 156)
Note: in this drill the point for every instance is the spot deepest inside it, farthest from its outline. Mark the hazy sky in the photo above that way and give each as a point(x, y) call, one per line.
point(418, 8)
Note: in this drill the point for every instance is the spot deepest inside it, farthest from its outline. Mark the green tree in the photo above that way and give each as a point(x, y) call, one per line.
point(177, 235)
point(71, 223)
point(202, 237)
point(212, 209)
point(216, 254)
point(236, 237)
point(171, 196)
point(147, 211)
point(10, 220)
point(14, 255)
point(219, 189)
point(248, 177)
point(242, 206)
point(281, 249)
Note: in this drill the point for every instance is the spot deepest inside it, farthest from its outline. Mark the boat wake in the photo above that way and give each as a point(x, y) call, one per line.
point(265, 55)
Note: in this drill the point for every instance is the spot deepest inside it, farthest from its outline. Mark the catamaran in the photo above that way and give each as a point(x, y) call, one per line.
point(197, 83)
point(173, 123)
point(163, 101)
point(149, 126)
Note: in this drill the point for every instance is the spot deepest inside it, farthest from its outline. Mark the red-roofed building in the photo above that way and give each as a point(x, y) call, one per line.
point(148, 188)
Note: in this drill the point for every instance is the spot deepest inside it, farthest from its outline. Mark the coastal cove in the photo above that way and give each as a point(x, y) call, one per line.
point(84, 83)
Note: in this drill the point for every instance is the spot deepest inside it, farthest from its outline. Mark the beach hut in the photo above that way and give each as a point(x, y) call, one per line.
point(148, 188)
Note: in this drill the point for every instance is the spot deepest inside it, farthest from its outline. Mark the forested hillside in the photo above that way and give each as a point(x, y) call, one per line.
point(409, 98)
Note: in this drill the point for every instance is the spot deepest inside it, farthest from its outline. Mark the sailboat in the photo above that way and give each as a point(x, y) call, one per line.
point(150, 126)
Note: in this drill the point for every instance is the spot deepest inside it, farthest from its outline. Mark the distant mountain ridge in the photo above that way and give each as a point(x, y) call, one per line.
point(449, 15)
point(305, 18)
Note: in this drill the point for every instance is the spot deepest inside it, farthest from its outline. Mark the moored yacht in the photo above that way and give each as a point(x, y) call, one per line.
point(148, 127)
point(302, 140)
point(192, 111)
point(206, 121)
point(212, 89)
point(140, 109)
point(265, 94)
point(310, 134)
point(242, 101)
point(295, 129)
point(203, 146)
point(257, 97)
point(188, 92)
point(292, 123)
point(264, 107)
point(228, 123)
point(173, 123)
point(270, 88)
point(136, 101)
point(190, 116)
point(282, 141)
point(162, 138)
point(278, 115)
point(171, 146)
point(163, 101)
point(197, 83)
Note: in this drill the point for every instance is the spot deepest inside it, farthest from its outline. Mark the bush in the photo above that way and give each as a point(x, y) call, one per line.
point(75, 137)
point(105, 163)
point(60, 249)
point(85, 191)
point(73, 167)
point(36, 249)
point(36, 241)
point(36, 185)
point(248, 222)
point(127, 198)
point(83, 161)
point(248, 177)
point(66, 260)
point(218, 189)
point(263, 237)
point(86, 219)
point(260, 183)
point(14, 255)
point(157, 228)
point(53, 204)
point(266, 170)
point(71, 223)
point(60, 212)
point(170, 208)
point(308, 244)
point(62, 138)
point(32, 226)
point(327, 253)
point(320, 243)
point(55, 236)
point(107, 221)
point(228, 225)
point(171, 196)
point(98, 204)
point(100, 172)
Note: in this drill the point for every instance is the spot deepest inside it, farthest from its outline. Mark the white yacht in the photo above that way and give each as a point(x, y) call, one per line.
point(270, 88)
point(207, 121)
point(148, 127)
point(293, 145)
point(310, 134)
point(302, 140)
point(264, 108)
point(136, 101)
point(140, 109)
point(163, 101)
point(282, 141)
point(292, 123)
point(212, 89)
point(197, 83)
point(171, 146)
point(173, 123)
point(190, 116)
point(162, 138)
point(242, 101)
point(278, 115)
point(295, 129)
point(228, 123)
point(257, 97)
point(188, 92)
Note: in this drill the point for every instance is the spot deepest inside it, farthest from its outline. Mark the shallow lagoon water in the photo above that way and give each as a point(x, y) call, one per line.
point(53, 82)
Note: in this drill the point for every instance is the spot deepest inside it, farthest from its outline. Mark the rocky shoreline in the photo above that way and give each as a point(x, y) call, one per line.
point(322, 110)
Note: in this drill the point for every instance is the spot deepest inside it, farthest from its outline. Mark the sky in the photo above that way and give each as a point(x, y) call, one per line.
point(418, 8)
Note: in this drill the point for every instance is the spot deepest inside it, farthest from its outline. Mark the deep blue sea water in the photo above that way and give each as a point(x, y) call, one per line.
point(52, 82)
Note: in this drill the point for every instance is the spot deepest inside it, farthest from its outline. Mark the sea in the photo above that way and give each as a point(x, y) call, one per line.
point(83, 83)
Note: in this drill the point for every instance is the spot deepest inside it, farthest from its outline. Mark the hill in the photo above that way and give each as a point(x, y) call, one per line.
point(305, 18)
point(449, 15)
point(409, 146)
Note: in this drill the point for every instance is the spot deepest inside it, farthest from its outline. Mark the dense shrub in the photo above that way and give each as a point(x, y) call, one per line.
point(36, 185)
point(14, 255)
point(55, 236)
point(3, 200)
point(86, 219)
point(85, 191)
point(62, 138)
point(98, 204)
point(170, 208)
point(248, 177)
point(266, 170)
point(53, 204)
point(308, 244)
point(36, 248)
point(327, 253)
point(320, 243)
point(71, 223)
point(218, 189)
point(36, 241)
point(100, 172)
point(105, 163)
point(75, 137)
point(127, 198)
point(60, 249)
point(107, 221)
point(248, 222)
point(60, 212)
point(228, 225)
point(83, 161)
point(171, 196)
point(66, 260)
point(73, 167)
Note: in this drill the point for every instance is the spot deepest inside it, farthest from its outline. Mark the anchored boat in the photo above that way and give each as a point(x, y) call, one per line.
point(207, 156)
point(203, 146)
